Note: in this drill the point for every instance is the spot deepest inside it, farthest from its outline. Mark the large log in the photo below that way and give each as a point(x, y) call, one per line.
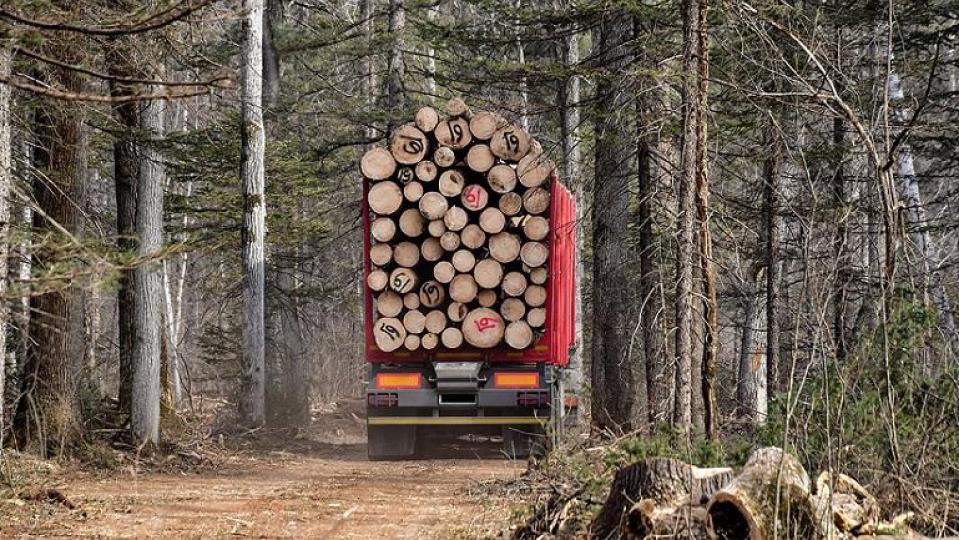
point(534, 170)
point(435, 321)
point(484, 124)
point(463, 288)
point(406, 254)
point(536, 200)
point(518, 335)
point(444, 272)
point(452, 338)
point(433, 205)
point(504, 247)
point(843, 504)
point(426, 171)
point(444, 157)
point(536, 228)
point(389, 334)
point(474, 197)
point(488, 273)
point(414, 321)
point(514, 284)
point(483, 328)
point(413, 191)
point(664, 481)
point(377, 164)
point(403, 280)
point(432, 294)
point(381, 254)
point(377, 280)
point(510, 203)
point(454, 133)
point(510, 143)
point(389, 304)
point(385, 197)
point(431, 250)
point(412, 223)
point(534, 254)
point(492, 220)
point(383, 229)
point(426, 119)
point(769, 498)
point(450, 241)
point(480, 158)
point(451, 183)
point(535, 296)
point(472, 236)
point(408, 144)
point(512, 309)
point(463, 260)
point(501, 178)
point(455, 218)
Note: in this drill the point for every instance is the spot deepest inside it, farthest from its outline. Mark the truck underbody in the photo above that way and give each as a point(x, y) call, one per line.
point(523, 403)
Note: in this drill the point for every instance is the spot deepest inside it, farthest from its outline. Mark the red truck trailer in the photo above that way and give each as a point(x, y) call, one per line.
point(499, 391)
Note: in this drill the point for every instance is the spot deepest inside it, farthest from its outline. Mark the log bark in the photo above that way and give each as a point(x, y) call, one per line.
point(378, 164)
point(463, 288)
point(385, 197)
point(389, 334)
point(432, 294)
point(769, 498)
point(483, 328)
point(492, 220)
point(488, 273)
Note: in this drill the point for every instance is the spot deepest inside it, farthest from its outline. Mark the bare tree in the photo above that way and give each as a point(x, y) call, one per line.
point(253, 141)
point(396, 70)
point(6, 179)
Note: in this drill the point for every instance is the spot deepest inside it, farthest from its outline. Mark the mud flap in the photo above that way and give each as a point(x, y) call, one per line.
point(390, 442)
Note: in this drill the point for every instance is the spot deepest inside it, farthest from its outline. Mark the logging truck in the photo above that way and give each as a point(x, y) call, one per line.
point(469, 270)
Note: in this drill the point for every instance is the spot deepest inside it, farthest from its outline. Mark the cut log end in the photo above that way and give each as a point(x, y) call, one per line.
point(483, 328)
point(389, 334)
point(408, 145)
point(377, 164)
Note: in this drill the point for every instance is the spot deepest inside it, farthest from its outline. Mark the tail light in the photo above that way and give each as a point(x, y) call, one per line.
point(399, 381)
point(515, 379)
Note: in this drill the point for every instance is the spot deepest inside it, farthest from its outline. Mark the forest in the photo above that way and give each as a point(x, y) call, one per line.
point(766, 244)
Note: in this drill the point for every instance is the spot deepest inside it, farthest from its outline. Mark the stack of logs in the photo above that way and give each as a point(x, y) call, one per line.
point(459, 220)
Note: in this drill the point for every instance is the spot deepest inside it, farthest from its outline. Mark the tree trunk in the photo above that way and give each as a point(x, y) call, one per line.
point(125, 170)
point(253, 141)
point(49, 414)
point(771, 186)
point(148, 287)
point(429, 85)
point(6, 179)
point(396, 71)
point(368, 86)
point(753, 404)
point(612, 396)
point(523, 112)
point(272, 19)
point(840, 241)
point(682, 411)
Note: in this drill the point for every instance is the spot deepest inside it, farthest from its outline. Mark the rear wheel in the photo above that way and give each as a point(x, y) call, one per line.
point(390, 442)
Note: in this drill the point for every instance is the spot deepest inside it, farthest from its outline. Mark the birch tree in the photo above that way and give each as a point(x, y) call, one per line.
point(252, 155)
point(6, 179)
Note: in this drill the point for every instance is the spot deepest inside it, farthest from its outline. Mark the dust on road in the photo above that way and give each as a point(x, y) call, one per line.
point(323, 490)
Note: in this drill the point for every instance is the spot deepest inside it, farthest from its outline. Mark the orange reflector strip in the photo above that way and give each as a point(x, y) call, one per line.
point(512, 379)
point(398, 381)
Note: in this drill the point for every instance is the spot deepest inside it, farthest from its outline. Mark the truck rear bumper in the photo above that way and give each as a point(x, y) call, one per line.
point(455, 420)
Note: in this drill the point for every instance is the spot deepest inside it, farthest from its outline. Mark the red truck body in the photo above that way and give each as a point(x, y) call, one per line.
point(554, 345)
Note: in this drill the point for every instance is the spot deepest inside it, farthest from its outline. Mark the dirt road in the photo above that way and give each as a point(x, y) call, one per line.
point(320, 490)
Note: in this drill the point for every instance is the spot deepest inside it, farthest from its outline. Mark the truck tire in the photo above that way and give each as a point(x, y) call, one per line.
point(390, 442)
point(520, 442)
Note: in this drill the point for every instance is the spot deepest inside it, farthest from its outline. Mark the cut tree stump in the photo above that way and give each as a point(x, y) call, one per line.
point(377, 164)
point(483, 328)
point(389, 334)
point(385, 197)
point(408, 145)
point(747, 508)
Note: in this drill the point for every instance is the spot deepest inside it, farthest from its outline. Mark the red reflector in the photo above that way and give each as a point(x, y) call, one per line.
point(513, 379)
point(398, 381)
